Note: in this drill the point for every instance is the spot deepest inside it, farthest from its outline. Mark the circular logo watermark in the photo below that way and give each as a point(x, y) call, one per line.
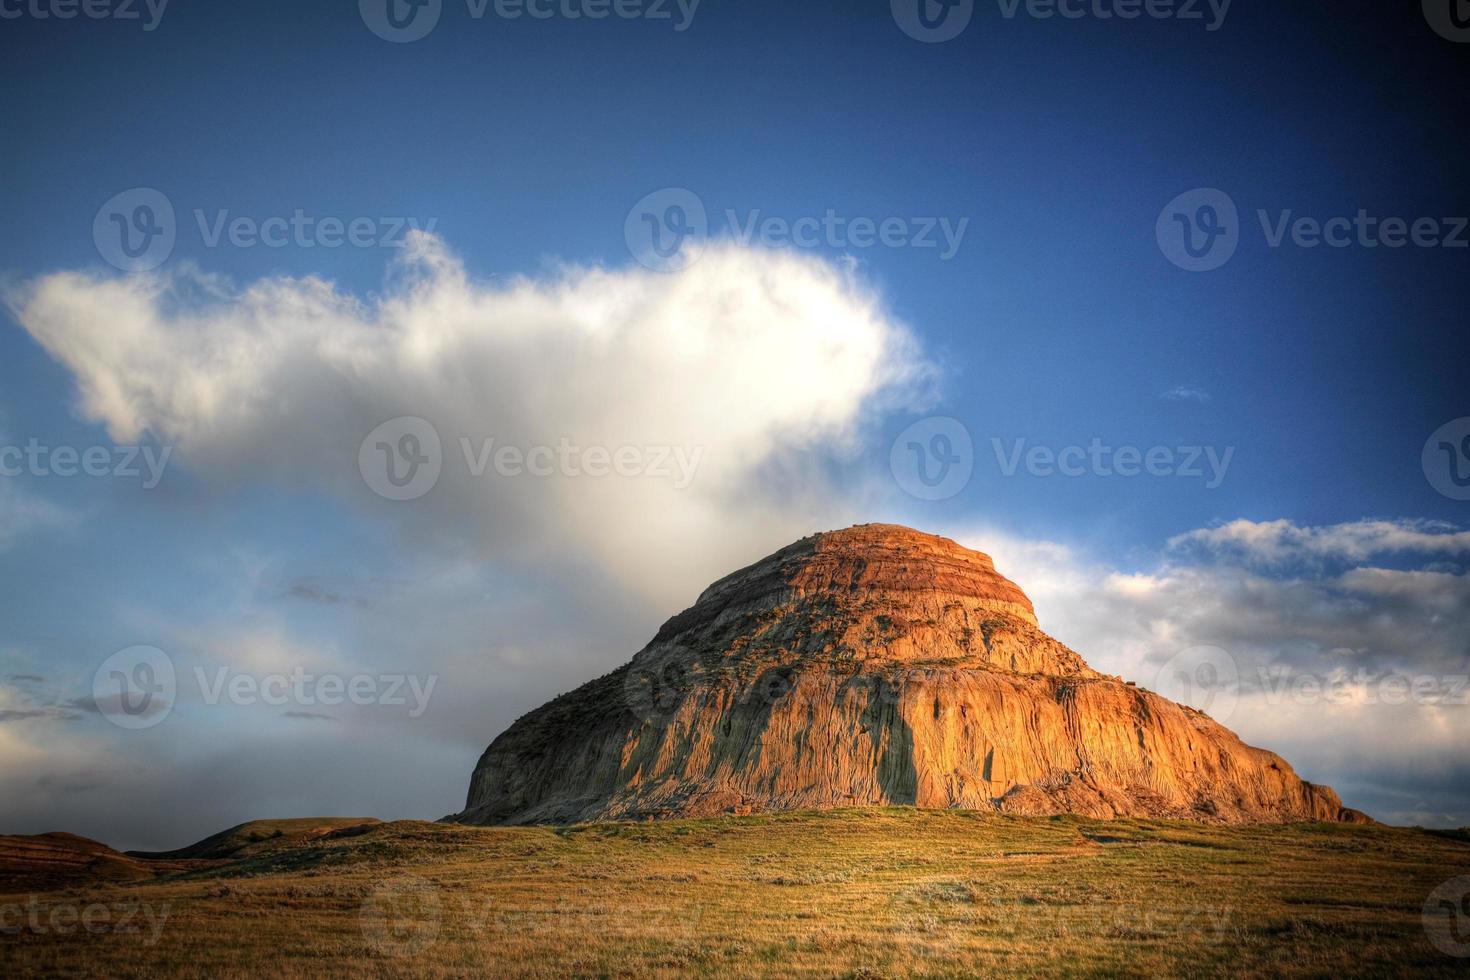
point(1449, 18)
point(1447, 917)
point(135, 688)
point(657, 680)
point(1205, 678)
point(401, 459)
point(402, 916)
point(1199, 230)
point(135, 230)
point(666, 231)
point(772, 687)
point(400, 21)
point(932, 21)
point(933, 459)
point(1446, 459)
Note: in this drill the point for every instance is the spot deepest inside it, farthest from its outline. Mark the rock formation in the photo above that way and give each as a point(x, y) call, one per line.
point(868, 667)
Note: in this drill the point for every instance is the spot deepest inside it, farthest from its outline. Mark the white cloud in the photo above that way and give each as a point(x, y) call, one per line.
point(765, 362)
point(1282, 542)
point(1129, 622)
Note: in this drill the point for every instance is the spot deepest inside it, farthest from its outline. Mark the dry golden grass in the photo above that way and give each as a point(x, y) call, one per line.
point(849, 893)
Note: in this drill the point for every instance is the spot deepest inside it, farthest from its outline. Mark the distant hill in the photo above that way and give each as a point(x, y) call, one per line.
point(60, 860)
point(57, 860)
point(259, 836)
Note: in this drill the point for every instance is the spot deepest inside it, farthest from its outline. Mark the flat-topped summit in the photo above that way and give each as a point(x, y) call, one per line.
point(876, 559)
point(872, 666)
point(875, 592)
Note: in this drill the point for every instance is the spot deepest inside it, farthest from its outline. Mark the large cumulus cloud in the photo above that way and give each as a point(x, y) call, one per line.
point(760, 365)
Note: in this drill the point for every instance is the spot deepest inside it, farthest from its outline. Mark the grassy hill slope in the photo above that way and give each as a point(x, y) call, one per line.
point(845, 893)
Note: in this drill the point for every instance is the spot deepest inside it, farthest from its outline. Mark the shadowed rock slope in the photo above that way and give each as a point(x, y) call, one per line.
point(873, 666)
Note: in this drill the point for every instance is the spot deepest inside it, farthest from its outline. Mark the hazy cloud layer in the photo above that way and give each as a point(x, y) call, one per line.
point(21, 512)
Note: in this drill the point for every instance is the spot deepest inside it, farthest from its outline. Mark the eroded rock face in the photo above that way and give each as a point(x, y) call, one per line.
point(872, 666)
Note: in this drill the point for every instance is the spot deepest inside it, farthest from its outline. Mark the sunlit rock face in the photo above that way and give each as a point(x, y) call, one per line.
point(869, 667)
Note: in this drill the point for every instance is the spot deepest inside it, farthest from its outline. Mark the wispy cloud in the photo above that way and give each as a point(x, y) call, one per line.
point(1186, 393)
point(1282, 542)
point(24, 701)
point(308, 591)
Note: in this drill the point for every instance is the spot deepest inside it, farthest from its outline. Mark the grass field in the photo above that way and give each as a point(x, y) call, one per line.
point(849, 893)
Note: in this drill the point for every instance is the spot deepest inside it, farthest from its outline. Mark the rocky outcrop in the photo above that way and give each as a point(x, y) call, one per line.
point(873, 666)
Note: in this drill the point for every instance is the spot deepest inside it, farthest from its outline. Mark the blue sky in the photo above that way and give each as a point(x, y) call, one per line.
point(524, 143)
